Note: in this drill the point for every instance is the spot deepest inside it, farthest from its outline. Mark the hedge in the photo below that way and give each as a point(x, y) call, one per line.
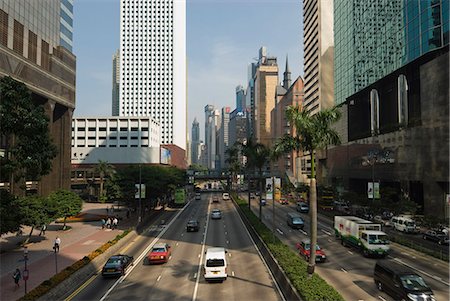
point(310, 288)
point(49, 284)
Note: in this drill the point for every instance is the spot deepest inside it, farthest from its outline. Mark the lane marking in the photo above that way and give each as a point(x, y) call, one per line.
point(228, 242)
point(194, 296)
point(143, 254)
point(170, 257)
point(177, 244)
point(159, 278)
point(423, 272)
point(381, 298)
point(351, 253)
point(343, 270)
point(329, 240)
point(279, 231)
point(326, 232)
point(229, 254)
point(195, 276)
point(71, 296)
point(88, 242)
point(232, 273)
point(303, 231)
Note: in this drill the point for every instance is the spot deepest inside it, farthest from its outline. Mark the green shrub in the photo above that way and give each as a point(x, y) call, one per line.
point(310, 288)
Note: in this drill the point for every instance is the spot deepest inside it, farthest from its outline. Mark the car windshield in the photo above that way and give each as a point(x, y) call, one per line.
point(215, 211)
point(297, 220)
point(378, 239)
point(410, 224)
point(215, 263)
point(192, 223)
point(308, 246)
point(113, 261)
point(414, 283)
point(158, 250)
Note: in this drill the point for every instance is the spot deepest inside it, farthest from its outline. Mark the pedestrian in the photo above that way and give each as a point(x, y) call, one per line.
point(43, 229)
point(16, 277)
point(115, 222)
point(108, 223)
point(103, 223)
point(57, 244)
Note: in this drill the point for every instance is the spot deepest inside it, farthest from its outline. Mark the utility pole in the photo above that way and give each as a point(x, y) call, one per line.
point(140, 197)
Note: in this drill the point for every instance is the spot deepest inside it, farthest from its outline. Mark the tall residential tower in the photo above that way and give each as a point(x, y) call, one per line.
point(153, 64)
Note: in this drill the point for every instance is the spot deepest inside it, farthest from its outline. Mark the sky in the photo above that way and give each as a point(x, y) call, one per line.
point(223, 37)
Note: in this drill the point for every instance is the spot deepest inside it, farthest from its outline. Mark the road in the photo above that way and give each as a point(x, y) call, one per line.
point(182, 277)
point(347, 270)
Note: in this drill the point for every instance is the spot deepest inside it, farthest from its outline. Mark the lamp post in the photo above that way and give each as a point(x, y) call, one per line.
point(56, 259)
point(25, 271)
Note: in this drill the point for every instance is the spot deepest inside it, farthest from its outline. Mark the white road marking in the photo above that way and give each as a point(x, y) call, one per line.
point(88, 242)
point(232, 273)
point(228, 242)
point(159, 278)
point(170, 257)
point(329, 240)
point(326, 232)
point(177, 244)
point(350, 252)
point(226, 232)
point(199, 255)
point(182, 234)
point(343, 270)
point(381, 298)
point(304, 232)
point(195, 276)
point(229, 254)
point(425, 273)
point(279, 231)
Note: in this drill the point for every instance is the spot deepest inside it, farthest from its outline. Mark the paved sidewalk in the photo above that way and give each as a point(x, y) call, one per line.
point(80, 240)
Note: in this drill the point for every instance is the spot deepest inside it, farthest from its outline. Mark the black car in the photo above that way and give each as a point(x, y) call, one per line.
point(436, 236)
point(192, 226)
point(117, 265)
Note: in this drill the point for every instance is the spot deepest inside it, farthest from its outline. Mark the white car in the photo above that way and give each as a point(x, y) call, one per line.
point(225, 196)
point(215, 264)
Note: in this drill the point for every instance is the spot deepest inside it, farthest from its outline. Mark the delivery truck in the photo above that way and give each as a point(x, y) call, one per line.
point(361, 234)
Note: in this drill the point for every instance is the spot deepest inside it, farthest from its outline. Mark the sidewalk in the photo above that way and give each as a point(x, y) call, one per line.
point(81, 239)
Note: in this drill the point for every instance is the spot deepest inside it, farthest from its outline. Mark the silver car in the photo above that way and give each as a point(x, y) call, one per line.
point(216, 214)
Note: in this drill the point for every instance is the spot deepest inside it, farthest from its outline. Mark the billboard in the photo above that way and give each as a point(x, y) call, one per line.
point(165, 157)
point(373, 190)
point(277, 191)
point(269, 189)
point(136, 191)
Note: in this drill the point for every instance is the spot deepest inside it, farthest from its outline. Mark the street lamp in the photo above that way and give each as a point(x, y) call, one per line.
point(56, 259)
point(25, 271)
point(140, 198)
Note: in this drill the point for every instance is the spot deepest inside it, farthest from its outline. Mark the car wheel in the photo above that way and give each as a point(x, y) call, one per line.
point(379, 286)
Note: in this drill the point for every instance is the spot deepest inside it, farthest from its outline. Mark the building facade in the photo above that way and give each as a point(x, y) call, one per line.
point(36, 49)
point(395, 122)
point(240, 98)
point(318, 54)
point(266, 81)
point(195, 155)
point(211, 123)
point(223, 139)
point(153, 64)
point(115, 84)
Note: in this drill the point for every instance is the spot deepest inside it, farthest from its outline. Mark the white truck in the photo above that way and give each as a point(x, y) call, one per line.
point(361, 234)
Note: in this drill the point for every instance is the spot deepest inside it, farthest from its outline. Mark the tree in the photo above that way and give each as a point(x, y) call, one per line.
point(29, 149)
point(233, 160)
point(312, 132)
point(104, 170)
point(10, 217)
point(63, 203)
point(34, 212)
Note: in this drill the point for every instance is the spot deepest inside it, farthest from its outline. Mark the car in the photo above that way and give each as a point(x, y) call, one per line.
point(304, 249)
point(192, 226)
point(302, 207)
point(263, 202)
point(160, 253)
point(198, 196)
point(295, 221)
point(216, 214)
point(215, 199)
point(385, 221)
point(225, 196)
point(283, 201)
point(436, 236)
point(215, 264)
point(117, 265)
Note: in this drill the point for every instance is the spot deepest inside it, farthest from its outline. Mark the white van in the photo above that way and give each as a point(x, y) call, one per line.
point(215, 264)
point(404, 224)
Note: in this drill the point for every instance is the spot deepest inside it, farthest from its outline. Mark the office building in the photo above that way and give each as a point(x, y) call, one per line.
point(223, 135)
point(36, 49)
point(195, 155)
point(265, 84)
point(115, 83)
point(240, 98)
point(212, 122)
point(393, 86)
point(318, 54)
point(153, 65)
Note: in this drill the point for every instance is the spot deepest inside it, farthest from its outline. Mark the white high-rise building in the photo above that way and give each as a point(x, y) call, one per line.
point(153, 64)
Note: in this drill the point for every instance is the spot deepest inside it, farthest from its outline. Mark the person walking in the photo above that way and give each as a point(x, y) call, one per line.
point(108, 223)
point(115, 222)
point(43, 229)
point(57, 244)
point(103, 223)
point(16, 277)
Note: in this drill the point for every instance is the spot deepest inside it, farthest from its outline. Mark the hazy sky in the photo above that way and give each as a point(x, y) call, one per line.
point(223, 37)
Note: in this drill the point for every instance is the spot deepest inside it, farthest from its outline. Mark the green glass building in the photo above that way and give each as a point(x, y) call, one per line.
point(373, 38)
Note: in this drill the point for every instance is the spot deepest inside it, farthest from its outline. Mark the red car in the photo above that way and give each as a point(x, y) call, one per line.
point(304, 249)
point(283, 201)
point(160, 253)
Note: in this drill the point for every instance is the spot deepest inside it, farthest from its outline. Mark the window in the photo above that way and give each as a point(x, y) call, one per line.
point(374, 112)
point(402, 88)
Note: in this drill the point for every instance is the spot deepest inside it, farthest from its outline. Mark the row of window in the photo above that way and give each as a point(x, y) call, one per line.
point(112, 145)
point(112, 129)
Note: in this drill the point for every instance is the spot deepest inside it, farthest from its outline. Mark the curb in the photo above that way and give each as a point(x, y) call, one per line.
point(60, 292)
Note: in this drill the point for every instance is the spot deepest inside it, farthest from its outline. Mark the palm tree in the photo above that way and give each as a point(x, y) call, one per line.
point(312, 132)
point(105, 170)
point(233, 160)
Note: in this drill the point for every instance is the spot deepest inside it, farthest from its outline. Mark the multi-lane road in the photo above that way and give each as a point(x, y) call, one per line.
point(346, 269)
point(181, 278)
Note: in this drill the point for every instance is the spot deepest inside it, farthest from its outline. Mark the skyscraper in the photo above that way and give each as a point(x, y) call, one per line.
point(240, 98)
point(318, 54)
point(36, 45)
point(223, 135)
point(115, 83)
point(153, 64)
point(195, 142)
